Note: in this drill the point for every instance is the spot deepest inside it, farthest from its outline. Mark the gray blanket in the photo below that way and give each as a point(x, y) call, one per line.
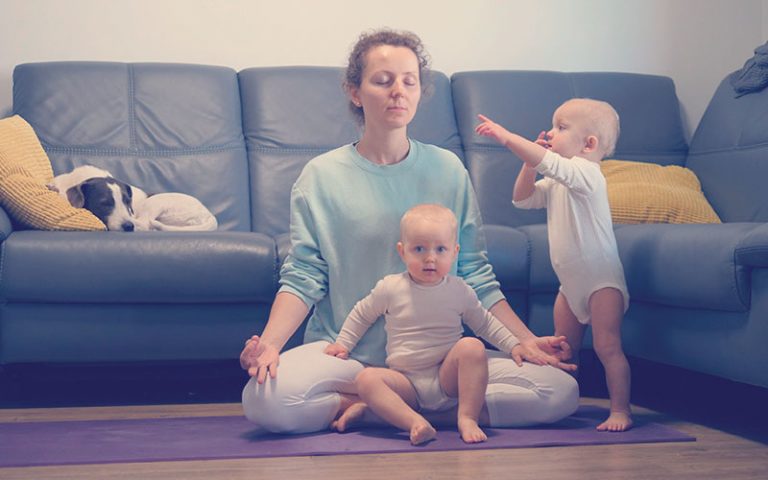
point(754, 76)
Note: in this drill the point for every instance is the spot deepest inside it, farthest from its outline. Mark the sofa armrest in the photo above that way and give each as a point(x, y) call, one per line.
point(752, 251)
point(6, 227)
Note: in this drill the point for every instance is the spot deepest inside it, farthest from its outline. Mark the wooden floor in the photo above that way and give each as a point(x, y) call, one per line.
point(715, 455)
point(729, 420)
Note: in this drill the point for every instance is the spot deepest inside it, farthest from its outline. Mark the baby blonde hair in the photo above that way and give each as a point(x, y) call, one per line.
point(603, 122)
point(433, 212)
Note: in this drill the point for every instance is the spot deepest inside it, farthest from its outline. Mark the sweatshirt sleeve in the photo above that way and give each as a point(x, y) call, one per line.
point(304, 272)
point(473, 266)
point(578, 174)
point(485, 325)
point(363, 315)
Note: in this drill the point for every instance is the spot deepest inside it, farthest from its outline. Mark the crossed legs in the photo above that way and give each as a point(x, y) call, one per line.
point(391, 396)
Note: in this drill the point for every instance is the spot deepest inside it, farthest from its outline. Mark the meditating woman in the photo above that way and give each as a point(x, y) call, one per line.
point(345, 212)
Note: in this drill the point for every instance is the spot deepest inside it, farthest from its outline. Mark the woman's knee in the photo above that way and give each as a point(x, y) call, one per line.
point(563, 400)
point(275, 412)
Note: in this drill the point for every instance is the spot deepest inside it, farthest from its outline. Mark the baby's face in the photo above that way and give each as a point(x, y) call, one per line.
point(428, 250)
point(569, 132)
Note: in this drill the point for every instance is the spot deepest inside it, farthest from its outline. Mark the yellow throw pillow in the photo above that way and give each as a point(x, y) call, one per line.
point(24, 171)
point(641, 192)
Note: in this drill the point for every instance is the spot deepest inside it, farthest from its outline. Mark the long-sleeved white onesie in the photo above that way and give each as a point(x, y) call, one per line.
point(423, 323)
point(582, 245)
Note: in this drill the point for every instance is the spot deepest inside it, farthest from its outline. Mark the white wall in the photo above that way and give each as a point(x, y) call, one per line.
point(696, 42)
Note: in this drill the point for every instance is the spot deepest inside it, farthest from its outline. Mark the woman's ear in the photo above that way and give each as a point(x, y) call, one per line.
point(354, 97)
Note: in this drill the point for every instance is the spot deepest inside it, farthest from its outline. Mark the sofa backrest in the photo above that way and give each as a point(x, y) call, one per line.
point(729, 153)
point(523, 102)
point(292, 114)
point(162, 127)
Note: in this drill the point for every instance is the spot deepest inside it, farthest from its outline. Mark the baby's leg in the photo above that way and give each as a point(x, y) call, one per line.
point(568, 325)
point(464, 373)
point(607, 310)
point(390, 395)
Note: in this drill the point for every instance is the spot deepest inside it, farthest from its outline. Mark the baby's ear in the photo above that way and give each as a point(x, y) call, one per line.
point(591, 144)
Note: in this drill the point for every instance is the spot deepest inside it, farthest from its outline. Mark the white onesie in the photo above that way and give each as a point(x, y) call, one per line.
point(582, 244)
point(423, 323)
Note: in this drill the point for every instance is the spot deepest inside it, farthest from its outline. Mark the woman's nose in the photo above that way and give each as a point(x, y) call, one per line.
point(397, 89)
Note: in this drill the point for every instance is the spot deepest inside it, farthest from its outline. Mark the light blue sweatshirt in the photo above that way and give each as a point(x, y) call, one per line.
point(345, 224)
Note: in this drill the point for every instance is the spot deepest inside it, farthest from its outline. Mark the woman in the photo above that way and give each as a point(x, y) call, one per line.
point(341, 248)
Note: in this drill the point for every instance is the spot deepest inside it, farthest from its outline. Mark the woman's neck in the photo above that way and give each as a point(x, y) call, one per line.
point(384, 149)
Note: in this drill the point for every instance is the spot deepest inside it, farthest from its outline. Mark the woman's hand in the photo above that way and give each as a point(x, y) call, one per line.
point(336, 350)
point(549, 350)
point(259, 358)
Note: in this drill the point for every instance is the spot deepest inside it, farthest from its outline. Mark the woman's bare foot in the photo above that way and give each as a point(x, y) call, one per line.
point(616, 422)
point(352, 415)
point(422, 432)
point(470, 431)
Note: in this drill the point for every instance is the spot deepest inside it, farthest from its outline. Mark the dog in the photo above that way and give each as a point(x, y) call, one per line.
point(128, 208)
point(110, 200)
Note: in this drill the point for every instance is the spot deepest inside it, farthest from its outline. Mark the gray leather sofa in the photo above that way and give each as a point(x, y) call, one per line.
point(238, 140)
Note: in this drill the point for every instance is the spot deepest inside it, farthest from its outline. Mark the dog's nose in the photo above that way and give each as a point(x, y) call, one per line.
point(127, 227)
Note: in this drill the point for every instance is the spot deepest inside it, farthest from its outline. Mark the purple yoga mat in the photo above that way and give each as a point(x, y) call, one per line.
point(204, 438)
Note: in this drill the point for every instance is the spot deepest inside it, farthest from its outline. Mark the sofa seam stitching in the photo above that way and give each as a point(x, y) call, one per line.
point(135, 152)
point(729, 149)
point(632, 152)
point(131, 109)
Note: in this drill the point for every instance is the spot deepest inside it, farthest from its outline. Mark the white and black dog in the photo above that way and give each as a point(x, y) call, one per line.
point(110, 200)
point(128, 208)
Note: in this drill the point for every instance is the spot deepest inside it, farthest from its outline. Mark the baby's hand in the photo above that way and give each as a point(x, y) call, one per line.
point(489, 128)
point(542, 140)
point(336, 350)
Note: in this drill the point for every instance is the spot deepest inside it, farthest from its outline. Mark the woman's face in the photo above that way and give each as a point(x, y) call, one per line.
point(390, 88)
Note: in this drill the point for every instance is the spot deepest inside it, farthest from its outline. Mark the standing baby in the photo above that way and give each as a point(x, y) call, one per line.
point(582, 245)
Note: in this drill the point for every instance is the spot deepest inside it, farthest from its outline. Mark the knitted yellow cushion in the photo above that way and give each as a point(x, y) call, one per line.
point(649, 193)
point(24, 172)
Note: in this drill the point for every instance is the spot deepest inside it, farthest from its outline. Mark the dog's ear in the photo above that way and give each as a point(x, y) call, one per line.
point(75, 196)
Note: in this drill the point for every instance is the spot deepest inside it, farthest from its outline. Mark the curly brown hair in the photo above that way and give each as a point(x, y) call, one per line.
point(368, 40)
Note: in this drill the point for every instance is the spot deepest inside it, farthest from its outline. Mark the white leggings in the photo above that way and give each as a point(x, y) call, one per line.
point(305, 395)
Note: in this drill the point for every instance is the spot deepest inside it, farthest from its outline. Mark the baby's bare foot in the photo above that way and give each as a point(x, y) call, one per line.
point(470, 431)
point(616, 422)
point(422, 432)
point(350, 417)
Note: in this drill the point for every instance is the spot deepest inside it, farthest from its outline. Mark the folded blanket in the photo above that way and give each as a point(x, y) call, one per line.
point(754, 76)
point(174, 212)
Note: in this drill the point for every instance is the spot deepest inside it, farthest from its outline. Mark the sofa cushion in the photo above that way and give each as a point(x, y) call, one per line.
point(729, 151)
point(641, 192)
point(508, 253)
point(524, 101)
point(160, 126)
point(138, 267)
point(292, 114)
point(692, 266)
point(542, 276)
point(24, 172)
